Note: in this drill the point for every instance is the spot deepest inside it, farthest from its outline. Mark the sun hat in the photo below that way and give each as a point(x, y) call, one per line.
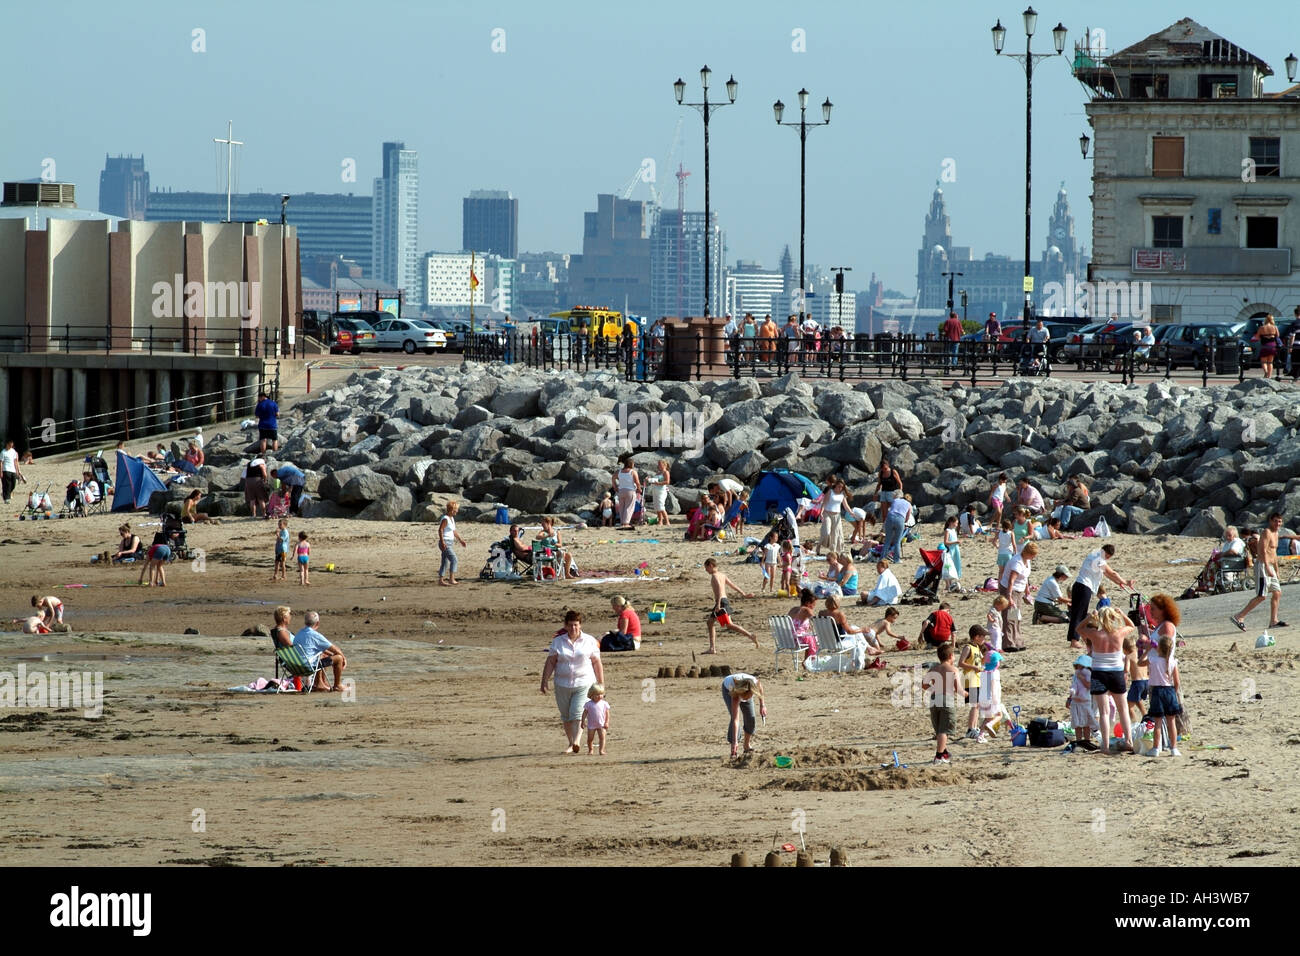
point(1083, 660)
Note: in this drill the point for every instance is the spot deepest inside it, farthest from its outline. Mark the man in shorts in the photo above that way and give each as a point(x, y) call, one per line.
point(268, 413)
point(1268, 584)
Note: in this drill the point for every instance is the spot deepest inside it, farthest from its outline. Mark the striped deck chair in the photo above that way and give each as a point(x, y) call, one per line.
point(294, 664)
point(783, 635)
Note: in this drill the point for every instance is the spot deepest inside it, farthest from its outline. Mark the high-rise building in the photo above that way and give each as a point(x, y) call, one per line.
point(124, 187)
point(490, 222)
point(751, 288)
point(677, 265)
point(541, 282)
point(447, 279)
point(614, 268)
point(396, 222)
point(329, 224)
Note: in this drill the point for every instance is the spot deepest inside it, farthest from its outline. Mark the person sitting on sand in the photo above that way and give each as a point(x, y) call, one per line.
point(130, 546)
point(887, 590)
point(49, 608)
point(317, 650)
point(190, 513)
point(626, 635)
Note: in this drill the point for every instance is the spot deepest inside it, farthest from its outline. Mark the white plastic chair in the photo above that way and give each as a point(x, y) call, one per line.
point(783, 635)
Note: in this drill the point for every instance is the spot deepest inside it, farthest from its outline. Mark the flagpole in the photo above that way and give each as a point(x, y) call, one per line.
point(471, 292)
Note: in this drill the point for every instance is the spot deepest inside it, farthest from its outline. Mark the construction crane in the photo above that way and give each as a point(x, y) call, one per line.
point(681, 175)
point(652, 182)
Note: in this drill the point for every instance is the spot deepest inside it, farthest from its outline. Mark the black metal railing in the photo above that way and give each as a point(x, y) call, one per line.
point(259, 342)
point(105, 429)
point(685, 354)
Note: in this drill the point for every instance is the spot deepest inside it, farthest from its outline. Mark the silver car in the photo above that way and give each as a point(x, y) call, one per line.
point(409, 335)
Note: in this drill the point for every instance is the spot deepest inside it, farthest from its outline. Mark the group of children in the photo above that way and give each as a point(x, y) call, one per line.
point(1152, 671)
point(301, 551)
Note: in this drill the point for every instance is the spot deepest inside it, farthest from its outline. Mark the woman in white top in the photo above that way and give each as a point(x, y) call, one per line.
point(738, 692)
point(656, 498)
point(1014, 585)
point(629, 483)
point(835, 500)
point(574, 659)
point(448, 538)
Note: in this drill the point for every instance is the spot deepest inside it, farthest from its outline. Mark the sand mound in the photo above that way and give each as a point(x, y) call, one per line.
point(891, 778)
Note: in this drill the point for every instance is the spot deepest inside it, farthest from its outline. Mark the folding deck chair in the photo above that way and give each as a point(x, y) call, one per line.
point(291, 661)
point(783, 635)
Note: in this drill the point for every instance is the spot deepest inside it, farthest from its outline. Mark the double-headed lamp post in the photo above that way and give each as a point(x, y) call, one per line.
point(778, 108)
point(706, 110)
point(1027, 60)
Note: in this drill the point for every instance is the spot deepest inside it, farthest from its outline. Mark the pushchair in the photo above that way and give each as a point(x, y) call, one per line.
point(926, 582)
point(503, 564)
point(1034, 360)
point(39, 505)
point(173, 535)
point(99, 469)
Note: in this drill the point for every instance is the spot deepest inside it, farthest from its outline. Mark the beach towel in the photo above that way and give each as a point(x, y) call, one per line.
point(264, 686)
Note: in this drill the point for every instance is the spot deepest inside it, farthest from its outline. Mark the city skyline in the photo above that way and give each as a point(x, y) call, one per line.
point(503, 99)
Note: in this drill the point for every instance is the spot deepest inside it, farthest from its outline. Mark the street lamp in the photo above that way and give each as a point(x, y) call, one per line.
point(778, 108)
point(1083, 144)
point(706, 110)
point(1290, 62)
point(1027, 60)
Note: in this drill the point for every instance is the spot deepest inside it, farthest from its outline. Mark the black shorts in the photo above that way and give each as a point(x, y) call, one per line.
point(270, 434)
point(1108, 682)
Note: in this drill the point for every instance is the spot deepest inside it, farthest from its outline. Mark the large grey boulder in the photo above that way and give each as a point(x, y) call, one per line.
point(519, 402)
point(906, 424)
point(533, 497)
point(1277, 464)
point(331, 485)
point(431, 410)
point(840, 409)
point(727, 446)
point(395, 506)
point(860, 445)
point(450, 475)
point(996, 444)
point(1207, 523)
point(364, 487)
point(470, 415)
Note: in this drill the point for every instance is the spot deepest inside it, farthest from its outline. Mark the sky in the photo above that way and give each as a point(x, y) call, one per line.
point(560, 101)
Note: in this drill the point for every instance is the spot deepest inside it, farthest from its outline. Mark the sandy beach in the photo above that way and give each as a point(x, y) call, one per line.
point(448, 754)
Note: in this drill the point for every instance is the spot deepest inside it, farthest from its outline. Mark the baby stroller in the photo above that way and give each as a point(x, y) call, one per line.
point(99, 469)
point(926, 582)
point(39, 505)
point(1033, 360)
point(786, 530)
point(173, 535)
point(503, 564)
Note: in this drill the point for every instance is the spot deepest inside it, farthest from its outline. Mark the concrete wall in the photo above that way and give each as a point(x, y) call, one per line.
point(13, 264)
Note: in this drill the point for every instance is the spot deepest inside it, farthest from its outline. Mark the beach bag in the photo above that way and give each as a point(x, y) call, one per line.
point(1101, 529)
point(1045, 733)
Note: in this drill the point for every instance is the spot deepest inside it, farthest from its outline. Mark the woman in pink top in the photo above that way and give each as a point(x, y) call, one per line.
point(802, 617)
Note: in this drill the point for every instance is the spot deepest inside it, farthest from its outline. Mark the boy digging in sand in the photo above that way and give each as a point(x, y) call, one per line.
point(721, 613)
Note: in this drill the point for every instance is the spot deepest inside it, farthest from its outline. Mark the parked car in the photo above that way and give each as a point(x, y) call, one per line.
point(1084, 341)
point(409, 335)
point(1188, 343)
point(316, 323)
point(352, 335)
point(455, 340)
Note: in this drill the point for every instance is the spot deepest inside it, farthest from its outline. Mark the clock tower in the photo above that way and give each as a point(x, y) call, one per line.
point(1062, 256)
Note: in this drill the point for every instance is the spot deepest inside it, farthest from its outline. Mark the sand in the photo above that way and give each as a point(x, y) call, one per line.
point(447, 753)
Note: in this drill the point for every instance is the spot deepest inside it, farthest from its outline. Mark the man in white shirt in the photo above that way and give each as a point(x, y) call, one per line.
point(12, 474)
point(1093, 569)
